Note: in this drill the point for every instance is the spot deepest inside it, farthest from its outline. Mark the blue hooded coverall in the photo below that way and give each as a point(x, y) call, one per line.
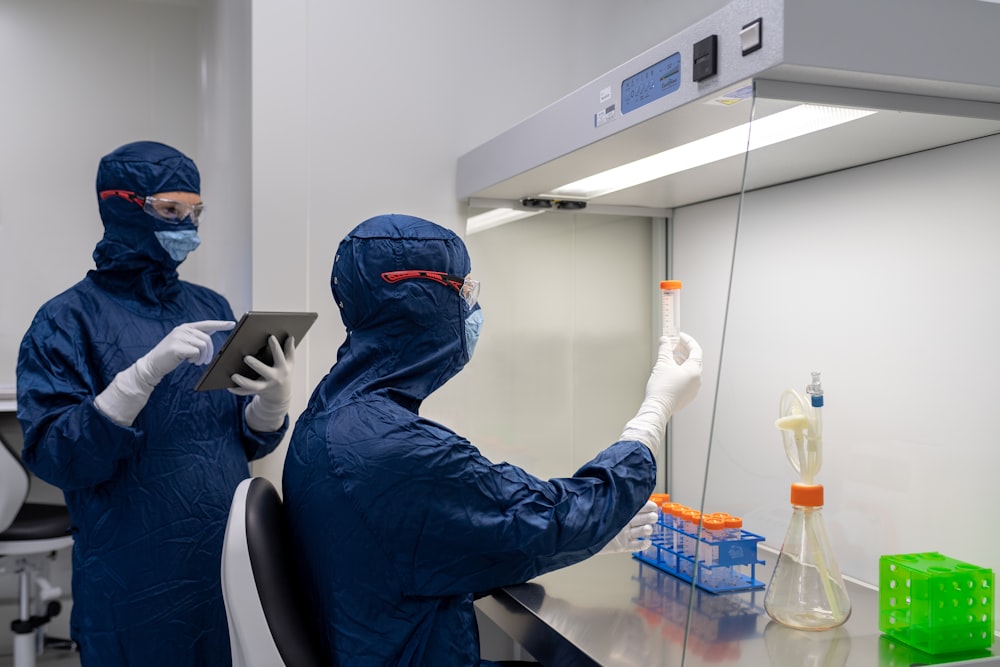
point(396, 520)
point(148, 503)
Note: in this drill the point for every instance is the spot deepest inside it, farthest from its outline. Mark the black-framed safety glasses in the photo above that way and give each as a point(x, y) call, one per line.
point(466, 287)
point(166, 210)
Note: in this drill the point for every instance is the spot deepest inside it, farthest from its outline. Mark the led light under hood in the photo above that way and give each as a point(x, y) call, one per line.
point(495, 218)
point(782, 126)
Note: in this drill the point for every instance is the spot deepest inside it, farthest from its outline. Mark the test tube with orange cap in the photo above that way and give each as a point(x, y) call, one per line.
point(670, 295)
point(734, 527)
point(659, 499)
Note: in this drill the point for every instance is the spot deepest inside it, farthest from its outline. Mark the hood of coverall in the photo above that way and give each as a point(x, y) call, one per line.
point(405, 338)
point(129, 259)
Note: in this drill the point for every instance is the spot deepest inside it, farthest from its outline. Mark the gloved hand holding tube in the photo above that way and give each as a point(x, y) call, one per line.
point(635, 535)
point(673, 383)
point(127, 394)
point(273, 388)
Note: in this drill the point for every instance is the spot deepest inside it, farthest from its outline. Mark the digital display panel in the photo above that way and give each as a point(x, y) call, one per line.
point(651, 83)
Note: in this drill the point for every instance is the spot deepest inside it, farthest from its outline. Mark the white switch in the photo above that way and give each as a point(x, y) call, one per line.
point(751, 36)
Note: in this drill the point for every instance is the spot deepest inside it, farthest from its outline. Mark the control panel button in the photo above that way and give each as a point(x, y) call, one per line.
point(705, 61)
point(752, 36)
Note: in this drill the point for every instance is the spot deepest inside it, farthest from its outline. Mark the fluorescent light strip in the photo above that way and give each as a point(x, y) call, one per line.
point(781, 126)
point(495, 218)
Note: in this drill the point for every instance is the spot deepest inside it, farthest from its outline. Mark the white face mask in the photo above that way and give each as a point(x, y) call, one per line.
point(473, 324)
point(178, 243)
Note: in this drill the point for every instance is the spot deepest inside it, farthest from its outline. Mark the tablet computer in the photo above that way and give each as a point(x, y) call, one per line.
point(249, 336)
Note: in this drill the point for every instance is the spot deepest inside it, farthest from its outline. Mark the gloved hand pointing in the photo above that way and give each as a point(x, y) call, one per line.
point(273, 389)
point(127, 394)
point(674, 383)
point(634, 536)
point(187, 342)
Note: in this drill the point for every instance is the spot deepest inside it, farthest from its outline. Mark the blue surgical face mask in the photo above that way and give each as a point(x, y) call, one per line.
point(473, 324)
point(178, 243)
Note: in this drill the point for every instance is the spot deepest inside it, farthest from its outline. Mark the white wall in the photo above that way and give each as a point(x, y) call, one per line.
point(565, 348)
point(224, 260)
point(364, 108)
point(879, 277)
point(80, 79)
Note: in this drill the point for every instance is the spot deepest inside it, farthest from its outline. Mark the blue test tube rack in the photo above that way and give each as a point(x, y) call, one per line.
point(710, 617)
point(716, 565)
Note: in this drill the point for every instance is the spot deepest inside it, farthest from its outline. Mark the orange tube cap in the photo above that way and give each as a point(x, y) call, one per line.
point(807, 495)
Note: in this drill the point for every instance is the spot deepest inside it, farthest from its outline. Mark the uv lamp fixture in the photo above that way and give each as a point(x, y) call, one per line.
point(562, 204)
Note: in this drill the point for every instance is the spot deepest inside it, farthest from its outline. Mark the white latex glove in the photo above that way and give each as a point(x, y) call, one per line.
point(127, 394)
point(273, 388)
point(674, 383)
point(634, 536)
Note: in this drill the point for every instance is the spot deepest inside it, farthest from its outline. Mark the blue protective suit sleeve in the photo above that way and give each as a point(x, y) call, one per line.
point(74, 445)
point(67, 358)
point(258, 445)
point(57, 452)
point(68, 442)
point(482, 525)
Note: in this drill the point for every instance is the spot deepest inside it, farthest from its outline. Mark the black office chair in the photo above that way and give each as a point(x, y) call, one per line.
point(267, 622)
point(30, 536)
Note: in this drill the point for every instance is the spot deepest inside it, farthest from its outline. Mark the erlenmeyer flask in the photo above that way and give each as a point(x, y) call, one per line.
point(807, 591)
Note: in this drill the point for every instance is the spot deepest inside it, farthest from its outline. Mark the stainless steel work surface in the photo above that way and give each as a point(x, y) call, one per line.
point(615, 611)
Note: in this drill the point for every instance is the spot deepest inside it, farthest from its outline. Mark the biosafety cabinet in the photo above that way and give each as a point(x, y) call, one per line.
point(822, 177)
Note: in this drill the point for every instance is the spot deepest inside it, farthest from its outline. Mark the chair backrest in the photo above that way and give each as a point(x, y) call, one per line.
point(13, 486)
point(267, 622)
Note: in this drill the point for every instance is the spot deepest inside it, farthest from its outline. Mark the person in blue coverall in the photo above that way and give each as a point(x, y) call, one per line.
point(148, 466)
point(398, 522)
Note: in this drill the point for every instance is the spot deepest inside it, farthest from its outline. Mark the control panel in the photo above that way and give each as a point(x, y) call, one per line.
point(652, 83)
point(664, 77)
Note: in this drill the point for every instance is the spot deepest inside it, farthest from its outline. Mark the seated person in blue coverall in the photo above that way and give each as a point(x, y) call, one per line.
point(466, 525)
point(148, 465)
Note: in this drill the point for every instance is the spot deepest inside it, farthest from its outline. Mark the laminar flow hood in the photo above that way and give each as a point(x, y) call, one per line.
point(759, 93)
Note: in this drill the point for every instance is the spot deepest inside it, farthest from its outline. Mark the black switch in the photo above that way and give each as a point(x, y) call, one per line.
point(705, 58)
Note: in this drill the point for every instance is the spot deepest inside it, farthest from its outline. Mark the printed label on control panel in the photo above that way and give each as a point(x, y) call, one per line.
point(732, 97)
point(606, 115)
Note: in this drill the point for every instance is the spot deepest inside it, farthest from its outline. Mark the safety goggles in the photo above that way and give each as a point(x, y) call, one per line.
point(166, 210)
point(467, 288)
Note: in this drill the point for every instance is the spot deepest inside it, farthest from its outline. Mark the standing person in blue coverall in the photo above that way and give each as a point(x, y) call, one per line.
point(148, 466)
point(397, 521)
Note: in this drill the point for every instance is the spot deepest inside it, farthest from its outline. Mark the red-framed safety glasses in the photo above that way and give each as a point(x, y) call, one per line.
point(167, 210)
point(467, 288)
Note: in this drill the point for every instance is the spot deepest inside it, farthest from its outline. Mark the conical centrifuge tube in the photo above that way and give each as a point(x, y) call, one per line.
point(670, 294)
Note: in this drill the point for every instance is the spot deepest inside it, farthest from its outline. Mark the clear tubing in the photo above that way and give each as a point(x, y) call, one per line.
point(818, 541)
point(815, 393)
point(801, 423)
point(670, 295)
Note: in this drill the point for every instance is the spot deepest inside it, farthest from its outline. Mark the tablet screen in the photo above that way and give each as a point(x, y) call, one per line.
point(249, 336)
